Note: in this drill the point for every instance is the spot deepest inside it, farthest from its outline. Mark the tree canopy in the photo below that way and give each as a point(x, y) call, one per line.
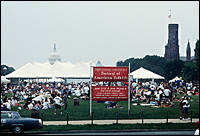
point(169, 69)
point(5, 70)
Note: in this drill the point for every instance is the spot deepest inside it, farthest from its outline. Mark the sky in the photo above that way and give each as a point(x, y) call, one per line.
point(88, 31)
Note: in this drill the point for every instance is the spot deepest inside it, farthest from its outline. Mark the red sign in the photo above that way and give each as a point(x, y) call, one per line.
point(110, 93)
point(110, 74)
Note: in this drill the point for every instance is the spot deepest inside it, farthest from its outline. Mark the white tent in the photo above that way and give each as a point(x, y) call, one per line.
point(39, 98)
point(142, 73)
point(174, 79)
point(4, 80)
point(58, 69)
point(54, 79)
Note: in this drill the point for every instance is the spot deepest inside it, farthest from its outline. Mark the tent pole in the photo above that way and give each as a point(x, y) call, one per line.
point(90, 91)
point(129, 90)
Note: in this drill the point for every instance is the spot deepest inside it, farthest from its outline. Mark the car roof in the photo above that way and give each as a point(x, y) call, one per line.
point(9, 112)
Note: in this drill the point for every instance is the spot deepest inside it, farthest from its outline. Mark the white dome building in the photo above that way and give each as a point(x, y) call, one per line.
point(54, 56)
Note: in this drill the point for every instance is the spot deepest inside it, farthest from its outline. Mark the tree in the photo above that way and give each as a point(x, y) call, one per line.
point(173, 69)
point(197, 52)
point(190, 71)
point(5, 70)
point(119, 63)
point(153, 63)
point(196, 67)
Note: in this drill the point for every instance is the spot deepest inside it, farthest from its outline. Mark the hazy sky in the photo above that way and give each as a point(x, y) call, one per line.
point(93, 30)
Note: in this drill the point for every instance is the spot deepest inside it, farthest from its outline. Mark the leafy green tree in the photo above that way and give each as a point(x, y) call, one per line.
point(196, 67)
point(190, 71)
point(197, 52)
point(5, 70)
point(173, 69)
point(153, 63)
point(119, 63)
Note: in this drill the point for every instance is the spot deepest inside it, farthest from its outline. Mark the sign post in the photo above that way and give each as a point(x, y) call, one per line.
point(90, 90)
point(129, 90)
point(110, 93)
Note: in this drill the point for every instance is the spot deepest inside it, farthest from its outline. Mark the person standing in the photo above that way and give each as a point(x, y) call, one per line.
point(57, 100)
point(65, 100)
point(197, 128)
point(181, 108)
point(186, 105)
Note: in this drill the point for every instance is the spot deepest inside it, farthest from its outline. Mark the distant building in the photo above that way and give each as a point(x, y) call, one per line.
point(54, 56)
point(188, 52)
point(99, 63)
point(196, 51)
point(183, 58)
point(172, 47)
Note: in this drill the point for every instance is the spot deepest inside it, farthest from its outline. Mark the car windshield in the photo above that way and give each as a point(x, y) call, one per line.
point(16, 115)
point(10, 115)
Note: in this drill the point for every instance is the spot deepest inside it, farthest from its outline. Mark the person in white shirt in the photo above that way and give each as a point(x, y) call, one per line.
point(30, 106)
point(45, 104)
point(186, 105)
point(57, 100)
point(197, 128)
point(134, 84)
point(14, 102)
point(196, 132)
point(8, 105)
point(166, 92)
point(86, 89)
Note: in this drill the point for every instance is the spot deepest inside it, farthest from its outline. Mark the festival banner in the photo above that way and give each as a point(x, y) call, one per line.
point(110, 93)
point(110, 74)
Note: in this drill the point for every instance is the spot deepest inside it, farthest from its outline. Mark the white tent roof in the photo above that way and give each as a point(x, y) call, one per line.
point(174, 79)
point(142, 73)
point(4, 80)
point(54, 79)
point(58, 69)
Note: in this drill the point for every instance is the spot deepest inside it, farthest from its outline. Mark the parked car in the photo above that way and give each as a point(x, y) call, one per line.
point(14, 122)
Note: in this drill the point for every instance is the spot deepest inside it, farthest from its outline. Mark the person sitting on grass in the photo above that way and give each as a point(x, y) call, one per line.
point(45, 104)
point(26, 106)
point(114, 105)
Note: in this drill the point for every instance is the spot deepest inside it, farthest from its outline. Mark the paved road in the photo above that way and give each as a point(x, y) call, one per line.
point(113, 132)
point(122, 132)
point(130, 121)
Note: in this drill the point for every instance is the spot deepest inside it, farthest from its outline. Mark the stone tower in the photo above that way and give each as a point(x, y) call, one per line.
point(172, 47)
point(188, 52)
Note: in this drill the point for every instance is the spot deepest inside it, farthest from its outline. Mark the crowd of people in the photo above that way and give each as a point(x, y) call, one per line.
point(43, 96)
point(164, 94)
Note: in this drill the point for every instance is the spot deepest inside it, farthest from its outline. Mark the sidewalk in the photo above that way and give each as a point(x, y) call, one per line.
point(130, 121)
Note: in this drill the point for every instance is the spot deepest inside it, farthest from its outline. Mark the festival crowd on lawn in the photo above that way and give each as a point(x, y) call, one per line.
point(43, 96)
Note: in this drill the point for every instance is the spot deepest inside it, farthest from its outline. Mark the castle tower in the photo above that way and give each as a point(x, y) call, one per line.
point(188, 52)
point(172, 47)
point(54, 56)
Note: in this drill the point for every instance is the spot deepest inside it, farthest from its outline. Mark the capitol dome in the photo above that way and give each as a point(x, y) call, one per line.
point(54, 56)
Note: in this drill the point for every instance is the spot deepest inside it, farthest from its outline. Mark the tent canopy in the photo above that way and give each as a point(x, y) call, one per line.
point(174, 79)
point(54, 79)
point(58, 69)
point(143, 73)
point(4, 80)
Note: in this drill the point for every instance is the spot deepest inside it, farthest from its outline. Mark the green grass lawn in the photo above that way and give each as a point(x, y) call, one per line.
point(81, 112)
